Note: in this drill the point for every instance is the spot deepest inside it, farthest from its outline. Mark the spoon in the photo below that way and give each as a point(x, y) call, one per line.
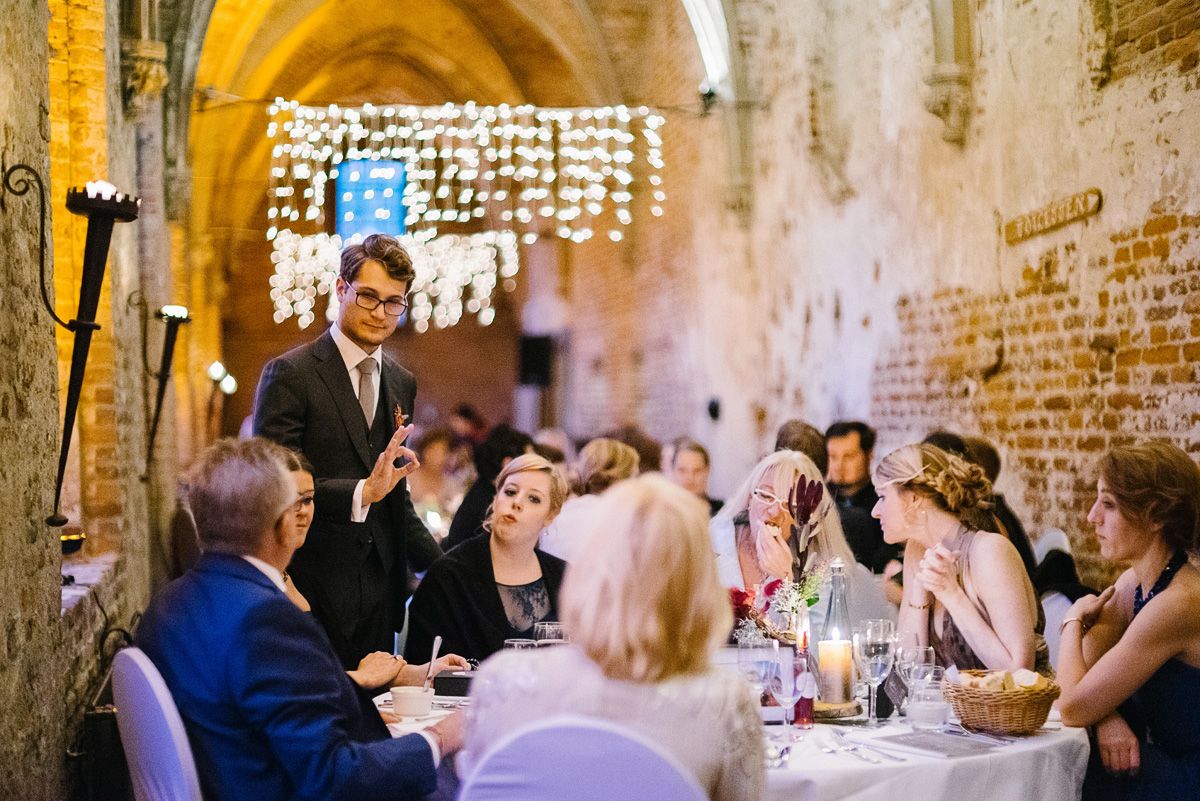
point(437, 646)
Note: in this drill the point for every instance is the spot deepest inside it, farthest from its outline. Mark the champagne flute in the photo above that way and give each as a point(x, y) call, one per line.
point(875, 650)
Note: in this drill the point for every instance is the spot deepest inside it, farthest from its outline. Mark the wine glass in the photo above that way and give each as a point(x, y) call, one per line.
point(874, 651)
point(788, 681)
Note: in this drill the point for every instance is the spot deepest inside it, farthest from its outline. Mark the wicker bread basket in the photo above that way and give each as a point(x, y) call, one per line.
point(1019, 711)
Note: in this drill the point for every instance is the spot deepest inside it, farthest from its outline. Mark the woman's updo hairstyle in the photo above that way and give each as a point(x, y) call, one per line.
point(1156, 482)
point(602, 463)
point(951, 482)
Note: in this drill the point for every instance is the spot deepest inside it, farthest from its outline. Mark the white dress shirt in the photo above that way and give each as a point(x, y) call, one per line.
point(352, 356)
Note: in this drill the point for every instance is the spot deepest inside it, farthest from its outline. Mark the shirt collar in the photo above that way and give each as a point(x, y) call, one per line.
point(270, 571)
point(351, 353)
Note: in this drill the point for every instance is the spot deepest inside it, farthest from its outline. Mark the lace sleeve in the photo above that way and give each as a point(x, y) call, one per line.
point(743, 774)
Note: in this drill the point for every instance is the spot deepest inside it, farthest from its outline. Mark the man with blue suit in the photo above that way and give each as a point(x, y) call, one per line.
point(269, 711)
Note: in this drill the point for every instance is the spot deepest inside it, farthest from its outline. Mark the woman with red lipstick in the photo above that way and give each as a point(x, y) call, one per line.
point(1129, 659)
point(493, 588)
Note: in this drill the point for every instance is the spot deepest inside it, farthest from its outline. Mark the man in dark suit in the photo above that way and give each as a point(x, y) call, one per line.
point(340, 401)
point(269, 712)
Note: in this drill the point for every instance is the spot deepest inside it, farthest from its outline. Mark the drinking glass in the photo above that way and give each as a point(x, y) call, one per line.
point(927, 707)
point(787, 684)
point(923, 663)
point(874, 651)
point(754, 664)
point(519, 643)
point(548, 633)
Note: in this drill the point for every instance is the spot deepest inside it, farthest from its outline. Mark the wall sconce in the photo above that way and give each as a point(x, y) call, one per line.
point(223, 384)
point(103, 205)
point(173, 317)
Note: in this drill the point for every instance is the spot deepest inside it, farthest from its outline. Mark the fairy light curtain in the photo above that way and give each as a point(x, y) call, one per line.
point(517, 168)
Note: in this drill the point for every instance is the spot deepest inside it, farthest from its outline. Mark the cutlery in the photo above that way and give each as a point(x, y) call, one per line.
point(855, 745)
point(778, 757)
point(958, 730)
point(437, 646)
point(854, 752)
point(851, 744)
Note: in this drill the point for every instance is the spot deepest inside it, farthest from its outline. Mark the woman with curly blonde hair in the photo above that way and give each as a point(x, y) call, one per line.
point(966, 592)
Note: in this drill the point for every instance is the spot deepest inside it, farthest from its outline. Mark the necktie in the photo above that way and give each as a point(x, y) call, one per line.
point(366, 388)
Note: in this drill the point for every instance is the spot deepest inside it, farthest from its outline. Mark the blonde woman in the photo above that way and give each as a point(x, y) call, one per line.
point(602, 463)
point(644, 611)
point(966, 592)
point(494, 587)
point(752, 537)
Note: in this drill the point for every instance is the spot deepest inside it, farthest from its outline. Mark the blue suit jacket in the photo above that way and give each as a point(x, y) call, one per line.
point(269, 711)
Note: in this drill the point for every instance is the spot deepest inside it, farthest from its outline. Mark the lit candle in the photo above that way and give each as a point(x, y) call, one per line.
point(836, 663)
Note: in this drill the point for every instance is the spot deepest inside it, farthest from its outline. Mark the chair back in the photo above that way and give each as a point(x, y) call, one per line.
point(581, 759)
point(1055, 606)
point(156, 745)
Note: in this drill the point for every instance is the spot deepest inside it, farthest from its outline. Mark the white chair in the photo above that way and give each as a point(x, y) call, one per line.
point(1055, 606)
point(156, 745)
point(578, 759)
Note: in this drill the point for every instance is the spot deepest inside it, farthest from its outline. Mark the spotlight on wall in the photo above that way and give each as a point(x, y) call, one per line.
point(708, 98)
point(173, 317)
point(103, 205)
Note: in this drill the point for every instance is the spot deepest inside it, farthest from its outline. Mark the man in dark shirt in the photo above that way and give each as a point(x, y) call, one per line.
point(849, 445)
point(503, 444)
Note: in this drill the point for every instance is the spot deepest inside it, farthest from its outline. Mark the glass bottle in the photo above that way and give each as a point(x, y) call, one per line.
point(834, 655)
point(837, 620)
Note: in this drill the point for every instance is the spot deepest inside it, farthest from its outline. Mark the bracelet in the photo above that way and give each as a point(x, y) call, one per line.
point(1083, 627)
point(911, 605)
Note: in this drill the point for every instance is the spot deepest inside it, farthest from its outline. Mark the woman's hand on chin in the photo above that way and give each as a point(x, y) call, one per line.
point(774, 556)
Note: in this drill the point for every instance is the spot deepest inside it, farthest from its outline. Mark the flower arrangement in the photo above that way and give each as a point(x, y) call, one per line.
point(789, 597)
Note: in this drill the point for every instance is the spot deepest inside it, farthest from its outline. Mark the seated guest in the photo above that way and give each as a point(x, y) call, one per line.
point(494, 587)
point(602, 463)
point(1129, 660)
point(503, 444)
point(269, 712)
point(966, 592)
point(984, 454)
point(435, 491)
point(849, 445)
point(689, 469)
point(752, 537)
point(644, 612)
point(797, 435)
point(378, 669)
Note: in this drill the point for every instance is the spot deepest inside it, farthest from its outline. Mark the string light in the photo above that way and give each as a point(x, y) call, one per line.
point(463, 162)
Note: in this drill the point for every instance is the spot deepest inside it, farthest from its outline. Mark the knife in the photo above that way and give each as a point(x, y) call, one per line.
point(846, 741)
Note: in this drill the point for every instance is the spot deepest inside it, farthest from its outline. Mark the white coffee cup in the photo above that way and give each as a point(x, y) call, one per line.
point(412, 702)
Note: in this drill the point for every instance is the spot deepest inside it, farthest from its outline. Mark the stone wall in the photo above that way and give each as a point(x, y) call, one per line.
point(871, 279)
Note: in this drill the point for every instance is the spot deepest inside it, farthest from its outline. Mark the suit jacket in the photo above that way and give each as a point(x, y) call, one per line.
point(306, 402)
point(458, 599)
point(269, 712)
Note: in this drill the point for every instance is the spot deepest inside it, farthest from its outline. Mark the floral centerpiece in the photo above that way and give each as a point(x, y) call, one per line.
point(779, 609)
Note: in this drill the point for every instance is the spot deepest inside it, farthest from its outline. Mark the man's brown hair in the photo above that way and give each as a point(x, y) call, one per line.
point(382, 248)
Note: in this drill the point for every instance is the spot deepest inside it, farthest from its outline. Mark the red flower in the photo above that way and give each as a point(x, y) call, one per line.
point(742, 600)
point(769, 592)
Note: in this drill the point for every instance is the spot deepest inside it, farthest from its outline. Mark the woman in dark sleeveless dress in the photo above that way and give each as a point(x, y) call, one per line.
point(966, 592)
point(1129, 660)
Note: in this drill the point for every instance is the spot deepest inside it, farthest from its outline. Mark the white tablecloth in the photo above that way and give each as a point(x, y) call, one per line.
point(1048, 765)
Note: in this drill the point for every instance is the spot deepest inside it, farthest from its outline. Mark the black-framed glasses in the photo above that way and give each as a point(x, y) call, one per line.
point(370, 302)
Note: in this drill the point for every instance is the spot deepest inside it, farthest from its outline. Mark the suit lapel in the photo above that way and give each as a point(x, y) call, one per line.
point(333, 373)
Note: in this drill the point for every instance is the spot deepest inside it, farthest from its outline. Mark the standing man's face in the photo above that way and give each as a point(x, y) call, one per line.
point(690, 471)
point(369, 328)
point(849, 464)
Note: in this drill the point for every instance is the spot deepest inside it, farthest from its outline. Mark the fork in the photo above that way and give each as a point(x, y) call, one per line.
point(852, 746)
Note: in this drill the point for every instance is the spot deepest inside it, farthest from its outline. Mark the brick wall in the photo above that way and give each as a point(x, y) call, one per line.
point(1151, 34)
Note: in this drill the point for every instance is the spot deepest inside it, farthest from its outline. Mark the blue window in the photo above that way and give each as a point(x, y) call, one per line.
point(370, 198)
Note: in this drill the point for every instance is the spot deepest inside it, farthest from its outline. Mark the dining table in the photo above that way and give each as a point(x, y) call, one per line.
point(1048, 764)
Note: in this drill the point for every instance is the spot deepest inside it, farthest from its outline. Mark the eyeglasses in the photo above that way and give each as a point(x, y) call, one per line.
point(369, 302)
point(769, 498)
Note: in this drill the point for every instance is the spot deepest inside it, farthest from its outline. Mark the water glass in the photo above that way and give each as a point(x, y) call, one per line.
point(755, 664)
point(549, 633)
point(927, 706)
point(519, 643)
point(788, 682)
